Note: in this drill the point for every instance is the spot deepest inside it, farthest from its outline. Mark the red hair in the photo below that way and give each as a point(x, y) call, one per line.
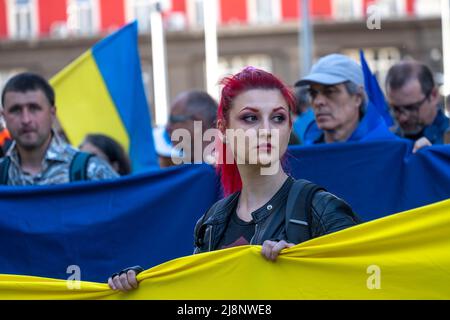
point(249, 78)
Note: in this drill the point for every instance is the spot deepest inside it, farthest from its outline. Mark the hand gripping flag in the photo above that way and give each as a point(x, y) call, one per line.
point(403, 256)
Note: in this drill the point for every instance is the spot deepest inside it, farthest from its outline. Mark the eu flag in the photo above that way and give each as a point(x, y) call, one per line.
point(374, 93)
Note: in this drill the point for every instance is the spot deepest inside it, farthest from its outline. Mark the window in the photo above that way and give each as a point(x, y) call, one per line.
point(5, 75)
point(424, 8)
point(83, 17)
point(380, 60)
point(23, 18)
point(195, 13)
point(232, 65)
point(264, 11)
point(347, 9)
point(390, 8)
point(198, 12)
point(141, 10)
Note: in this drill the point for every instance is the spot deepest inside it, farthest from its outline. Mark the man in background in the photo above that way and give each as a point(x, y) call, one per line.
point(37, 155)
point(414, 101)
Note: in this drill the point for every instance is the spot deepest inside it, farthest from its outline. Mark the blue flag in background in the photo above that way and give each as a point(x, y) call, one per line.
point(374, 92)
point(103, 226)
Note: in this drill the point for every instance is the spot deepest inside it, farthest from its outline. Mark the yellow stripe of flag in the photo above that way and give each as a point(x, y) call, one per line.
point(80, 91)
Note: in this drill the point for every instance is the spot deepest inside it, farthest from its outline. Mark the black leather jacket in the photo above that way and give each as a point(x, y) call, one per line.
point(329, 214)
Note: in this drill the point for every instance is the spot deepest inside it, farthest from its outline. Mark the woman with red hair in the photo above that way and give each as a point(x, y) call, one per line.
point(254, 210)
point(263, 204)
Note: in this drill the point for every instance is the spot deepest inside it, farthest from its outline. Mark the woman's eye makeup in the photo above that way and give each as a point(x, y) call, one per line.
point(279, 118)
point(250, 118)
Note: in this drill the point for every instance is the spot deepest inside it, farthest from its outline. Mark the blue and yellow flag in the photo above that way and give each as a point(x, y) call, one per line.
point(148, 219)
point(403, 256)
point(102, 92)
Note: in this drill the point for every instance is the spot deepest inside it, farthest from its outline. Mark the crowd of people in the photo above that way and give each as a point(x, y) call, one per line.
point(329, 105)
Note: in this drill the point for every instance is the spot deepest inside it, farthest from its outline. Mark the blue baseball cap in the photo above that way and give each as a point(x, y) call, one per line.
point(334, 69)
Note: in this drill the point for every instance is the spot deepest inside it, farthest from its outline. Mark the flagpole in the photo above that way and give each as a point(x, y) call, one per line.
point(159, 65)
point(446, 46)
point(305, 41)
point(211, 51)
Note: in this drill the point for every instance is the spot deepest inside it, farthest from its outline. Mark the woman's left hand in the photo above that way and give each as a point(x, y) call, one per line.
point(271, 249)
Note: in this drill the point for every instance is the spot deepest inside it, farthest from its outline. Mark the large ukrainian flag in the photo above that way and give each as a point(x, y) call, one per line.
point(102, 92)
point(404, 256)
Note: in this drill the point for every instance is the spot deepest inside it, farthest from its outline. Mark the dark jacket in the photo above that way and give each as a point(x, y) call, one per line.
point(329, 214)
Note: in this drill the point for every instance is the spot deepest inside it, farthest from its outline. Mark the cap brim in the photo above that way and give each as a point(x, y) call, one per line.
point(320, 78)
point(162, 147)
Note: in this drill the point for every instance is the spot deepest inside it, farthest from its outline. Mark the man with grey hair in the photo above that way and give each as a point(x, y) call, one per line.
point(336, 87)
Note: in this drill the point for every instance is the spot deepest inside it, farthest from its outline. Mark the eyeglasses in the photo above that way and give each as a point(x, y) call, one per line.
point(409, 108)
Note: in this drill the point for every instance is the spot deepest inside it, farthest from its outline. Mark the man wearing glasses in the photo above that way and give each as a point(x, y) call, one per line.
point(414, 102)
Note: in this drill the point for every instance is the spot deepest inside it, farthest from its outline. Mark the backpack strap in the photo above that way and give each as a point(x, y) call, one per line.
point(78, 166)
point(201, 227)
point(298, 210)
point(4, 168)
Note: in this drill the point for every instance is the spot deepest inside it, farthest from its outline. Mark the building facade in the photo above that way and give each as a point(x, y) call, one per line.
point(21, 19)
point(45, 35)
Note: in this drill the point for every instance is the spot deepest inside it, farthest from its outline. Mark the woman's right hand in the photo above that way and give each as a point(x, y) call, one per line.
point(124, 281)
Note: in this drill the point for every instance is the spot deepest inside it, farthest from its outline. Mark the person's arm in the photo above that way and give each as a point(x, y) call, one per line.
point(330, 214)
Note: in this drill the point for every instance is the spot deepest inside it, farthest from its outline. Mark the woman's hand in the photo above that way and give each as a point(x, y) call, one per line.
point(271, 249)
point(125, 281)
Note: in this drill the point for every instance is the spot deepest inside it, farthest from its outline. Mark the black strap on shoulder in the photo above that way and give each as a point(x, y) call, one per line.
point(4, 168)
point(298, 210)
point(78, 166)
point(200, 232)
